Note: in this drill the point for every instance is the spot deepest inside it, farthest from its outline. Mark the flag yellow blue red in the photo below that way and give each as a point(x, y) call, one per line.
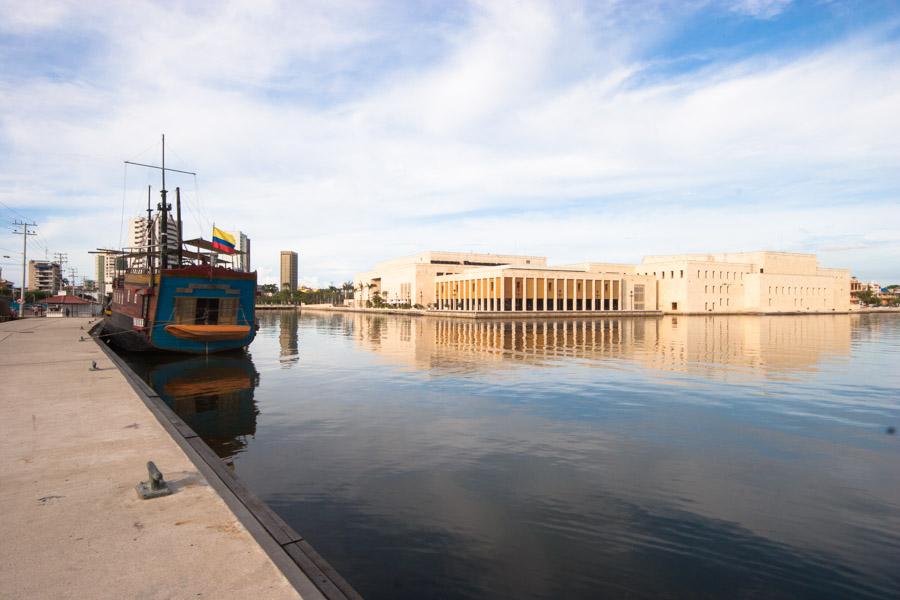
point(222, 241)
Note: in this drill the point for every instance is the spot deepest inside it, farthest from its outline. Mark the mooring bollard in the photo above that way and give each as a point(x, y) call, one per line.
point(93, 366)
point(155, 487)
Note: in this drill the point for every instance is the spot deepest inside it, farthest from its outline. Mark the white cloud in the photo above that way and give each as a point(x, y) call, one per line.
point(760, 9)
point(519, 108)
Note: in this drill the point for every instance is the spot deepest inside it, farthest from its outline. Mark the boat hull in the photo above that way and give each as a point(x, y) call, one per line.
point(118, 330)
point(170, 328)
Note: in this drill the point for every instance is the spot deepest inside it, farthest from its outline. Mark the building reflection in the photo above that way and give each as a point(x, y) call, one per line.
point(288, 338)
point(700, 345)
point(213, 395)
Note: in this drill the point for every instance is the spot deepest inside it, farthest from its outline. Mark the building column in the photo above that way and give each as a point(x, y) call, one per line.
point(465, 284)
point(513, 303)
point(525, 294)
point(483, 283)
point(478, 291)
point(555, 291)
point(492, 291)
point(584, 294)
point(602, 294)
point(565, 294)
point(622, 294)
point(502, 292)
point(546, 303)
point(462, 295)
point(593, 294)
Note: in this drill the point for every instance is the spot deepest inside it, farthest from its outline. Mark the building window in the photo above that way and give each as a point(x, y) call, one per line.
point(671, 274)
point(674, 306)
point(663, 274)
point(638, 301)
point(760, 270)
point(681, 276)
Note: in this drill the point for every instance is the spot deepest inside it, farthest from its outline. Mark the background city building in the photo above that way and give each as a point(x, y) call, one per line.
point(44, 276)
point(140, 236)
point(105, 268)
point(242, 260)
point(764, 282)
point(289, 270)
point(410, 279)
point(749, 282)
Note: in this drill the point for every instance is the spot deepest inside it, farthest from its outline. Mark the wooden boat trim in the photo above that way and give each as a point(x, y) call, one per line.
point(209, 333)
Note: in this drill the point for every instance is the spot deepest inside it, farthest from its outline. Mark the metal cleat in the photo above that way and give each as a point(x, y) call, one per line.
point(155, 487)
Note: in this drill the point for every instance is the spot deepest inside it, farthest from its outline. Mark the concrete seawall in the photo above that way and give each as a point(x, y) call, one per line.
point(472, 315)
point(74, 443)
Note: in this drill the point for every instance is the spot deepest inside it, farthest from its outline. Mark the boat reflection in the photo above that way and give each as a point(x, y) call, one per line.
point(213, 395)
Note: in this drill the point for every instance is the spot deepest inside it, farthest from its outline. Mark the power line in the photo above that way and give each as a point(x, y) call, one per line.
point(14, 211)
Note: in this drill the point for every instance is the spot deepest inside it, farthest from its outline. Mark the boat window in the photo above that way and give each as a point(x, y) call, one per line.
point(206, 311)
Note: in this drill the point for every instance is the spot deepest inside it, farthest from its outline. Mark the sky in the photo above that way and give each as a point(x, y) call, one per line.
point(353, 132)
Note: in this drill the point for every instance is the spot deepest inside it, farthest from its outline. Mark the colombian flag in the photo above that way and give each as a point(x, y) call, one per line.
point(223, 241)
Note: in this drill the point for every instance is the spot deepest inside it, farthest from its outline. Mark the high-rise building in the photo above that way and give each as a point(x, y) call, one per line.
point(242, 260)
point(289, 269)
point(106, 270)
point(44, 276)
point(139, 236)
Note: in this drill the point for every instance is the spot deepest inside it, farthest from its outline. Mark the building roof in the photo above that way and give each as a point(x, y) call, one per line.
point(65, 300)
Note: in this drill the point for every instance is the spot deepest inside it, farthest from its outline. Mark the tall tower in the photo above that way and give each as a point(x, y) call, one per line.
point(289, 266)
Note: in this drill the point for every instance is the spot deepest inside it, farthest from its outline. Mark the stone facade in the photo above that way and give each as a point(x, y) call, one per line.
point(748, 282)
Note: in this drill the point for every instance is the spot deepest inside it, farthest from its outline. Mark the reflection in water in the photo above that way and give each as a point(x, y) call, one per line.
point(212, 394)
point(699, 345)
point(288, 338)
point(622, 457)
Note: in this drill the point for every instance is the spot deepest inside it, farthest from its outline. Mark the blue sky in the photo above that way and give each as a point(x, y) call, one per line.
point(357, 131)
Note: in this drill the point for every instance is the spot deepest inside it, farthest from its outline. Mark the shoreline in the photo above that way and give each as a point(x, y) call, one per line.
point(306, 569)
point(80, 429)
point(519, 314)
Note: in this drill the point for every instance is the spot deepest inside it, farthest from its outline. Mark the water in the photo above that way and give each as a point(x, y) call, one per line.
point(674, 457)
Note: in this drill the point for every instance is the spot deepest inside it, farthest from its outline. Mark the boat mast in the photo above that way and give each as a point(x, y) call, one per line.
point(149, 237)
point(164, 214)
point(178, 216)
point(164, 208)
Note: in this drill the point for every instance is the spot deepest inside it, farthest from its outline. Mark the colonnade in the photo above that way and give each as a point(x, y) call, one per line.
point(530, 294)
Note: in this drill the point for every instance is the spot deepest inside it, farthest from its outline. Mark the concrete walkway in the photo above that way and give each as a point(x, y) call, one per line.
point(73, 444)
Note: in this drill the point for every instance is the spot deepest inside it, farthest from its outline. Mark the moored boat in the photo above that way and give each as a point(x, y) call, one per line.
point(197, 305)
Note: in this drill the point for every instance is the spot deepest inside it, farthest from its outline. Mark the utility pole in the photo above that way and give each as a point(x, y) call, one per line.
point(61, 259)
point(24, 233)
point(73, 273)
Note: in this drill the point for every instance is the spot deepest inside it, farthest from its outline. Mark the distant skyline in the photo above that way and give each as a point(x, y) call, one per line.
point(352, 132)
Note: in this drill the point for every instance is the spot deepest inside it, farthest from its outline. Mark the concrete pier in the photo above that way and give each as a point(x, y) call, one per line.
point(73, 444)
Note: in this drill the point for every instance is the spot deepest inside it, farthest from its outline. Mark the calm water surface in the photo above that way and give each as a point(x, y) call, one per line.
point(688, 457)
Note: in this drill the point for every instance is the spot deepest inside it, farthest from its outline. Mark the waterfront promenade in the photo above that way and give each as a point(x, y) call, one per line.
point(74, 443)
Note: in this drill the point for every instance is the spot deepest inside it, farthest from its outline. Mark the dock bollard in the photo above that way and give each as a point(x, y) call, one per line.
point(155, 487)
point(93, 366)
